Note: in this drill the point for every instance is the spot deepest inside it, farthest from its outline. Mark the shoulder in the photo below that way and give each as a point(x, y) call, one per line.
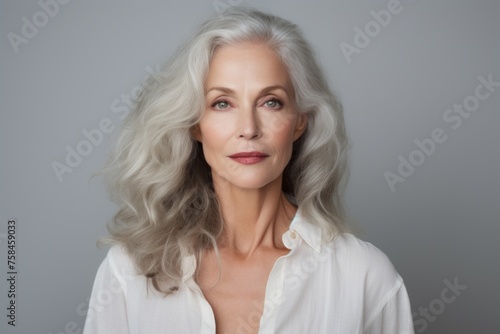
point(364, 261)
point(370, 275)
point(346, 255)
point(368, 285)
point(120, 261)
point(348, 247)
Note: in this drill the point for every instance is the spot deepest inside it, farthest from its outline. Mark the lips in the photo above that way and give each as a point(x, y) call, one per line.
point(248, 158)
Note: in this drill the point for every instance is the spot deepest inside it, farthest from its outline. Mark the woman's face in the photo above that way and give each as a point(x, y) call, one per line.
point(250, 121)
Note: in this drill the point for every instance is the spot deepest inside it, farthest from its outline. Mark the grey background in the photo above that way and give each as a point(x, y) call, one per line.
point(440, 224)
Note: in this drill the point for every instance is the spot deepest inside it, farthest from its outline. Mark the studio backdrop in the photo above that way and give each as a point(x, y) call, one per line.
point(420, 85)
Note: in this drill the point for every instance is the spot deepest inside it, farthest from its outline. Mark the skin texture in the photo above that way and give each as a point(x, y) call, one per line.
point(249, 107)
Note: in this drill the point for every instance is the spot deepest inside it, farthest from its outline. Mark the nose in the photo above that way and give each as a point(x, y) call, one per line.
point(248, 123)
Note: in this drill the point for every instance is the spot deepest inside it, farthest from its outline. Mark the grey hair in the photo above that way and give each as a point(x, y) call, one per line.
point(157, 172)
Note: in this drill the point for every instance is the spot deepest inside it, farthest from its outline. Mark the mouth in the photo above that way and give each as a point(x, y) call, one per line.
point(248, 158)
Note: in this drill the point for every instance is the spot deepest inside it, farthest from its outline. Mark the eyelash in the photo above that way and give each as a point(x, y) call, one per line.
point(219, 101)
point(277, 101)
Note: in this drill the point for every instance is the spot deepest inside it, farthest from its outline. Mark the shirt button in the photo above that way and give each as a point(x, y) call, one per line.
point(293, 235)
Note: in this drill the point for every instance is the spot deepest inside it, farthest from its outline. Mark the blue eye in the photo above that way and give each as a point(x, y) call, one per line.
point(273, 103)
point(221, 104)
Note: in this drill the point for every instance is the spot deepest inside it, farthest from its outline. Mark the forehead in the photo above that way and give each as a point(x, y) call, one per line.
point(248, 61)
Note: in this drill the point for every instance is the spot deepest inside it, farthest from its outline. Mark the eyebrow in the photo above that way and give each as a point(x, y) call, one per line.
point(262, 91)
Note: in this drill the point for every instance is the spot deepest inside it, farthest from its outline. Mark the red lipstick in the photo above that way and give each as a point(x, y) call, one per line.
point(248, 158)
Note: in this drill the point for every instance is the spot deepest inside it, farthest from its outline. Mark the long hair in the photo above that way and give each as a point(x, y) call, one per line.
point(157, 172)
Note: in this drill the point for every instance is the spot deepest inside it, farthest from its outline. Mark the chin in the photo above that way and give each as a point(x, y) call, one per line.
point(250, 182)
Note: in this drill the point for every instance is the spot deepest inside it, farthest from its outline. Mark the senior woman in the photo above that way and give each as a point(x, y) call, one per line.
point(229, 176)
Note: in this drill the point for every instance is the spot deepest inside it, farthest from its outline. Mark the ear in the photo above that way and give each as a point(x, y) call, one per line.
point(195, 132)
point(300, 126)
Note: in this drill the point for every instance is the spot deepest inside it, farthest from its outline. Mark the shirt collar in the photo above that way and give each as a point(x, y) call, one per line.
point(310, 233)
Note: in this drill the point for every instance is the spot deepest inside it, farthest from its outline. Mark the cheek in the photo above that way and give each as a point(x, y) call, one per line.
point(209, 133)
point(216, 128)
point(281, 129)
point(282, 139)
point(214, 140)
point(280, 123)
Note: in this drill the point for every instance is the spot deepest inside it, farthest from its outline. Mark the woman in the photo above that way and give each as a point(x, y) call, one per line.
point(229, 177)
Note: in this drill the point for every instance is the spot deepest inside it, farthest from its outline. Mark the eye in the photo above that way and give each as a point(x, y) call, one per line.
point(274, 104)
point(220, 104)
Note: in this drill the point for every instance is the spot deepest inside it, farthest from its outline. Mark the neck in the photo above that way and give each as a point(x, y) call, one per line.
point(254, 219)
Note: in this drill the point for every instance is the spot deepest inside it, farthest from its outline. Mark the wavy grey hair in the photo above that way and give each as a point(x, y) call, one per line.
point(157, 172)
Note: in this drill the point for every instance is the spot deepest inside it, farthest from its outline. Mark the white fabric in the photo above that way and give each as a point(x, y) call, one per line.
point(347, 286)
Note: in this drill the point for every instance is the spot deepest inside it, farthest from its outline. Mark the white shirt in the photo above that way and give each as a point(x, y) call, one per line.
point(346, 286)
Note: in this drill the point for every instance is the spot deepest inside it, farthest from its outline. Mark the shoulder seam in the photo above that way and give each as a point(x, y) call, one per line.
point(391, 294)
